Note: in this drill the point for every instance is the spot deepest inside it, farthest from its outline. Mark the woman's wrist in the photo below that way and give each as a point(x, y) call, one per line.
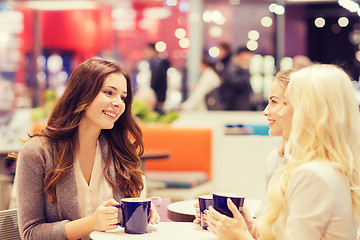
point(252, 230)
point(90, 222)
point(79, 228)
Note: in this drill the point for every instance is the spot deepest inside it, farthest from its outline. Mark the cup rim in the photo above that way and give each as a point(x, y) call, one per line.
point(206, 196)
point(135, 198)
point(229, 195)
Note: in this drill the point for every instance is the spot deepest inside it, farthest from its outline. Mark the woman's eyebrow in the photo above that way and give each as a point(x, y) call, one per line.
point(111, 87)
point(273, 97)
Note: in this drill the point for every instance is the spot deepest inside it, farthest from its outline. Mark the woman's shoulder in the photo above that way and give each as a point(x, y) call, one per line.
point(36, 141)
point(318, 172)
point(316, 167)
point(35, 146)
point(211, 73)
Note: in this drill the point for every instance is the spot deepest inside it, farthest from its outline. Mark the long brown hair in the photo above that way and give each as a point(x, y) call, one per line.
point(124, 140)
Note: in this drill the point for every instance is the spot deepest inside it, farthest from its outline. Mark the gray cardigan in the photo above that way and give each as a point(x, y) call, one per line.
point(38, 217)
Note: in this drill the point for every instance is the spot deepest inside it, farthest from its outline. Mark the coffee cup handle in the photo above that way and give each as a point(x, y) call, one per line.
point(120, 206)
point(156, 200)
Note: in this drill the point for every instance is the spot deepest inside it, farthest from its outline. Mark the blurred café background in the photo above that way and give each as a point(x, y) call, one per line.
point(41, 42)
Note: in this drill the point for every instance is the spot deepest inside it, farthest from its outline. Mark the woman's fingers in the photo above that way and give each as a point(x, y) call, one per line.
point(197, 219)
point(110, 202)
point(154, 215)
point(232, 207)
point(213, 219)
point(215, 214)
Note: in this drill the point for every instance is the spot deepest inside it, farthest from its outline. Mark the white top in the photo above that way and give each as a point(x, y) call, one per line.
point(98, 191)
point(92, 195)
point(273, 161)
point(208, 81)
point(320, 205)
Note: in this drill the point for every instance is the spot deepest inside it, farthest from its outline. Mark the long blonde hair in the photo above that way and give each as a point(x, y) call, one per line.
point(325, 126)
point(283, 77)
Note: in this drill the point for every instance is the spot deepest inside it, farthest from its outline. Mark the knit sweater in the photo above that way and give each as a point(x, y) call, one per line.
point(38, 217)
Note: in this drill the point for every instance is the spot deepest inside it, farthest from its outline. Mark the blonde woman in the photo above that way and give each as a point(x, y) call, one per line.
point(275, 158)
point(316, 193)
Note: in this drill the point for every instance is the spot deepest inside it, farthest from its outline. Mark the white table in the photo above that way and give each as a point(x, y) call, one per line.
point(184, 211)
point(163, 230)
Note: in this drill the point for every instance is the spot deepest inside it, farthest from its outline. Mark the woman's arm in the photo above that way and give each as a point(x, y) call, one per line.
point(104, 218)
point(30, 198)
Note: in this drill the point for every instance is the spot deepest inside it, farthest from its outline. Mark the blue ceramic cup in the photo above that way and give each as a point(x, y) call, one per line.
point(205, 201)
point(220, 202)
point(135, 214)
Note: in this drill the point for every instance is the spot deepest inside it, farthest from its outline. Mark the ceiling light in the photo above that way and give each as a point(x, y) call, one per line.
point(61, 5)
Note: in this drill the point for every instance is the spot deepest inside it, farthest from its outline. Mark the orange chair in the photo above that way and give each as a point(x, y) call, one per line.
point(189, 165)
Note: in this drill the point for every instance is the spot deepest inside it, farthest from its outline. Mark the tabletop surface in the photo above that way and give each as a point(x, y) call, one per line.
point(187, 207)
point(183, 207)
point(163, 230)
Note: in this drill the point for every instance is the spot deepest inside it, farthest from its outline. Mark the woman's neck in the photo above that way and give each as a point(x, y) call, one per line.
point(87, 139)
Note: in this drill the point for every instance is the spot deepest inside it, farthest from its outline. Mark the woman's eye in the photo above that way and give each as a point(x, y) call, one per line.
point(273, 101)
point(123, 98)
point(108, 92)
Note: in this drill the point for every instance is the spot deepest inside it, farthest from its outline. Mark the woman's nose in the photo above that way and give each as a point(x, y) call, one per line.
point(266, 111)
point(117, 101)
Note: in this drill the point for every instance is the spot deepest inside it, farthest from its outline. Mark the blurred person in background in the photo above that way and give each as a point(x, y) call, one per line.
point(316, 193)
point(15, 121)
point(301, 61)
point(224, 58)
point(236, 87)
point(70, 175)
point(209, 80)
point(158, 68)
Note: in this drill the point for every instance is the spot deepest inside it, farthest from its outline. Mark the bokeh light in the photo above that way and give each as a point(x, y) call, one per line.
point(160, 46)
point(343, 22)
point(319, 22)
point(279, 10)
point(272, 7)
point(252, 45)
point(215, 31)
point(180, 33)
point(266, 21)
point(184, 43)
point(253, 35)
point(214, 52)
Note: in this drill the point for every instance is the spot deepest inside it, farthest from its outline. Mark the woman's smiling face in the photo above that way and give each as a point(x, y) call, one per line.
point(108, 105)
point(286, 115)
point(276, 103)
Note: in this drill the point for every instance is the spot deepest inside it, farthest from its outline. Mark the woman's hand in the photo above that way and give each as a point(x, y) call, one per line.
point(197, 219)
point(227, 228)
point(154, 215)
point(249, 220)
point(106, 216)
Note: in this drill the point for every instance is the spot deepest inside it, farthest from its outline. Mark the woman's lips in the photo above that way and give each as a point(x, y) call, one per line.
point(271, 122)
